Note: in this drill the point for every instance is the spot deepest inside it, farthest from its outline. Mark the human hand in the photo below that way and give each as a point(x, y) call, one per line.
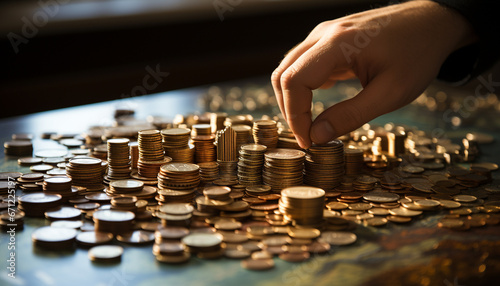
point(395, 52)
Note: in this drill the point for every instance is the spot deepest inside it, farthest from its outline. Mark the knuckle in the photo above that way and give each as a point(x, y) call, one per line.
point(288, 77)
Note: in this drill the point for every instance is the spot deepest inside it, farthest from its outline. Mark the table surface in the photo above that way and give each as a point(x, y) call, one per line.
point(416, 254)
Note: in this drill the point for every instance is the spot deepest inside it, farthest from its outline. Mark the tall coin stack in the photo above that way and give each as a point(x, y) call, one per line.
point(86, 172)
point(209, 171)
point(283, 168)
point(118, 159)
point(243, 133)
point(250, 164)
point(353, 161)
point(176, 145)
point(179, 176)
point(302, 205)
point(226, 154)
point(203, 141)
point(324, 166)
point(150, 154)
point(265, 132)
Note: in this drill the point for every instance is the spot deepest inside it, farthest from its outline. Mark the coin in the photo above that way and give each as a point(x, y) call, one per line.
point(93, 238)
point(338, 237)
point(54, 238)
point(257, 264)
point(105, 253)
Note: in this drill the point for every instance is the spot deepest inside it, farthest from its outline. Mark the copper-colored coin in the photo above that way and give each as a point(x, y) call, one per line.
point(295, 256)
point(105, 253)
point(257, 264)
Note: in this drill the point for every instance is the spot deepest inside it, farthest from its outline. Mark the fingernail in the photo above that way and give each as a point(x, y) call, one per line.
point(322, 132)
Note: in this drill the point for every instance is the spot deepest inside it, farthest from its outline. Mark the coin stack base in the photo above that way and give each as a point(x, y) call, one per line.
point(324, 165)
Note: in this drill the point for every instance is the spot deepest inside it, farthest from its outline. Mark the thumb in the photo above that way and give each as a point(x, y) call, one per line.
point(380, 96)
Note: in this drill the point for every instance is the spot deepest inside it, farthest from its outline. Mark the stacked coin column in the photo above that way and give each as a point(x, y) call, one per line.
point(354, 161)
point(176, 145)
point(283, 168)
point(250, 164)
point(203, 141)
point(226, 154)
point(302, 205)
point(86, 172)
point(324, 165)
point(151, 156)
point(265, 132)
point(118, 159)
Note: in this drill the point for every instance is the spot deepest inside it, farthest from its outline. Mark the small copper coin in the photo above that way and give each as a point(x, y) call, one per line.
point(257, 264)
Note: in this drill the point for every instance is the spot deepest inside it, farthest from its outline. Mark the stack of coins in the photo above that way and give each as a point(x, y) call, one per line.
point(54, 238)
point(30, 182)
point(113, 221)
point(61, 186)
point(172, 252)
point(166, 196)
point(204, 147)
point(86, 172)
point(175, 214)
point(250, 164)
point(151, 156)
point(118, 159)
point(354, 161)
point(18, 148)
point(283, 168)
point(121, 187)
point(204, 245)
point(125, 203)
point(243, 133)
point(302, 205)
point(176, 145)
point(265, 133)
point(228, 172)
point(134, 154)
point(100, 152)
point(179, 176)
point(36, 204)
point(209, 171)
point(324, 166)
point(201, 129)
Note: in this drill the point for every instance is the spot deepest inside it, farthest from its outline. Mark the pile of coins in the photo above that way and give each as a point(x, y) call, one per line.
point(61, 186)
point(324, 165)
point(113, 221)
point(354, 161)
point(283, 168)
point(176, 145)
point(250, 164)
point(30, 182)
point(18, 148)
point(204, 245)
point(265, 133)
point(302, 205)
point(118, 159)
point(151, 156)
point(209, 171)
point(179, 176)
point(86, 172)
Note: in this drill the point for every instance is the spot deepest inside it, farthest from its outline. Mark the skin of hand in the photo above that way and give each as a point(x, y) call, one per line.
point(395, 52)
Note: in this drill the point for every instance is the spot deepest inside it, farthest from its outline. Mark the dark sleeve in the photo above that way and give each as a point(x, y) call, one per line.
point(470, 61)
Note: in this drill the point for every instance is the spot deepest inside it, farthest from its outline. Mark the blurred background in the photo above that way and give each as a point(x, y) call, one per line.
point(59, 53)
